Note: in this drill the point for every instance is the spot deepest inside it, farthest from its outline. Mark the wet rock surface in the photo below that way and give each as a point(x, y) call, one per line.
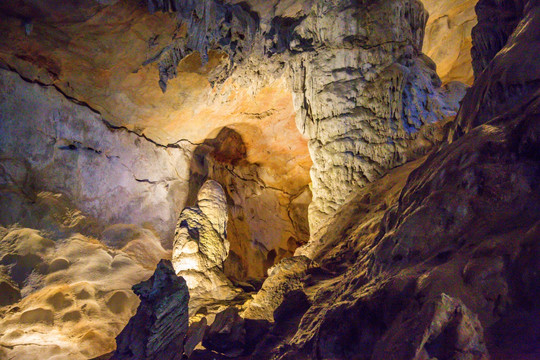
point(158, 329)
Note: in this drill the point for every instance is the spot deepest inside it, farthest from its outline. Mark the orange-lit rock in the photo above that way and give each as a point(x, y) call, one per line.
point(448, 39)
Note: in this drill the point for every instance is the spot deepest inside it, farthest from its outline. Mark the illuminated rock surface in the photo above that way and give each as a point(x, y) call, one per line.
point(128, 128)
point(448, 40)
point(201, 246)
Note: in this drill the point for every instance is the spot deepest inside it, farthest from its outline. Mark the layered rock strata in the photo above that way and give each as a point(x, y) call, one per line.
point(158, 329)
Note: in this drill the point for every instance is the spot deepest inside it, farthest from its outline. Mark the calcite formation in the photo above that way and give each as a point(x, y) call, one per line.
point(158, 329)
point(130, 126)
point(200, 246)
point(362, 95)
point(275, 220)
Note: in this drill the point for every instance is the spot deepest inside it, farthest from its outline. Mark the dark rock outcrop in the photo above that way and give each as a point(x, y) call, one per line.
point(497, 20)
point(232, 335)
point(443, 329)
point(158, 329)
point(507, 73)
point(9, 290)
point(227, 334)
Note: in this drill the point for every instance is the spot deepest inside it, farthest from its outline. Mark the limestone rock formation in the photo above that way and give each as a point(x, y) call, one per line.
point(112, 174)
point(283, 278)
point(273, 221)
point(158, 329)
point(459, 222)
point(362, 96)
point(448, 40)
point(504, 58)
point(260, 52)
point(200, 247)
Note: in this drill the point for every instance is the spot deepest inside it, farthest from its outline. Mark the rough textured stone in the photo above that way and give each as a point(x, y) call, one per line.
point(442, 329)
point(194, 336)
point(9, 291)
point(283, 278)
point(255, 96)
point(506, 70)
point(227, 334)
point(158, 328)
point(274, 221)
point(201, 246)
point(362, 95)
point(76, 291)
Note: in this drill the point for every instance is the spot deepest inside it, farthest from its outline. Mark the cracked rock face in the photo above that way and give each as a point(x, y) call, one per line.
point(49, 143)
point(201, 246)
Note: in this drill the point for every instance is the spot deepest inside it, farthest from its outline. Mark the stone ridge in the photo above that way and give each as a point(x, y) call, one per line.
point(158, 329)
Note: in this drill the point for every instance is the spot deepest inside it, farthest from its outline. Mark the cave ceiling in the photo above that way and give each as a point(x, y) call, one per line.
point(102, 54)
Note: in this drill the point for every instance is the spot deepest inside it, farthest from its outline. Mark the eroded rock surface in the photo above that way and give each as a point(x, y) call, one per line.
point(201, 247)
point(361, 95)
point(504, 57)
point(444, 329)
point(158, 329)
point(76, 291)
point(285, 277)
point(265, 223)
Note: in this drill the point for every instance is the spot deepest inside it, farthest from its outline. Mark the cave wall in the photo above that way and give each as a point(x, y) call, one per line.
point(448, 39)
point(50, 143)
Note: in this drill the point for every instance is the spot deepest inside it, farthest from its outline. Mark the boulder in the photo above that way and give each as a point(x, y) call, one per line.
point(194, 336)
point(285, 277)
point(158, 329)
